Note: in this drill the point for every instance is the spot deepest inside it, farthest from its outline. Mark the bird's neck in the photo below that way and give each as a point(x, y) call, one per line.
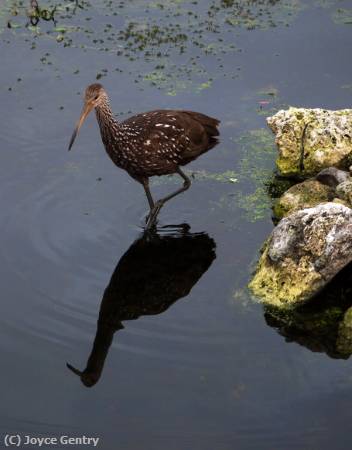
point(109, 126)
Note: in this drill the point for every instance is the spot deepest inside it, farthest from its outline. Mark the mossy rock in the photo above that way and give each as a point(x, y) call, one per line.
point(323, 324)
point(286, 285)
point(303, 195)
point(310, 140)
point(303, 253)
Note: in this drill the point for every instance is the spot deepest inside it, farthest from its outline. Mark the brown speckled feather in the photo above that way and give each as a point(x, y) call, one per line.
point(156, 142)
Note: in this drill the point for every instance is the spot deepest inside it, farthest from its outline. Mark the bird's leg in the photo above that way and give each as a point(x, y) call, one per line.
point(145, 182)
point(159, 204)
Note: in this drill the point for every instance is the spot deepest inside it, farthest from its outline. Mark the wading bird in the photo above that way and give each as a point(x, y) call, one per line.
point(152, 143)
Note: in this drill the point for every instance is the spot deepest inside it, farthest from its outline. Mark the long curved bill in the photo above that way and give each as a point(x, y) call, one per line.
point(85, 111)
point(74, 370)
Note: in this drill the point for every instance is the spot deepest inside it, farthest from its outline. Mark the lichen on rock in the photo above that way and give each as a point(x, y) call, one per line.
point(303, 253)
point(310, 140)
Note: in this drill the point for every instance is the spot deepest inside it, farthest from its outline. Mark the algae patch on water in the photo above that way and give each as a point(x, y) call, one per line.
point(172, 79)
point(257, 184)
point(256, 175)
point(342, 16)
point(177, 34)
point(256, 15)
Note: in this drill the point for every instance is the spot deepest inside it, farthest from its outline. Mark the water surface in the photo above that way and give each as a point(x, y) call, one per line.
point(200, 368)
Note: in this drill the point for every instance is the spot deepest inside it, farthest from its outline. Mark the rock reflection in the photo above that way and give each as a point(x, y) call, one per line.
point(156, 271)
point(322, 325)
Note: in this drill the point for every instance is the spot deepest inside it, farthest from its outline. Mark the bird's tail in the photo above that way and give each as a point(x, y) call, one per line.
point(209, 123)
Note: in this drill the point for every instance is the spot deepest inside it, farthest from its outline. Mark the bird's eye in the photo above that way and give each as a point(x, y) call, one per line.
point(96, 97)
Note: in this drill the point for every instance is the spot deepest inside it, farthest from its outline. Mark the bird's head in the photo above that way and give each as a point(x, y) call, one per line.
point(94, 96)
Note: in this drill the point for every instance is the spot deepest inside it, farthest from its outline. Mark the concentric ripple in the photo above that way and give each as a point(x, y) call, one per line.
point(63, 238)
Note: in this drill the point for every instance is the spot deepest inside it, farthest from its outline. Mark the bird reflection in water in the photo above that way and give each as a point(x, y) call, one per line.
point(156, 271)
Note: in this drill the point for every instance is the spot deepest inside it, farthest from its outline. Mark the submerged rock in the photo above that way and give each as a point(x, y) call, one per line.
point(344, 341)
point(303, 253)
point(323, 324)
point(310, 140)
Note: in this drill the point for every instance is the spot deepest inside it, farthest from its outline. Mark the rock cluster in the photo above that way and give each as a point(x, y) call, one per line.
point(313, 240)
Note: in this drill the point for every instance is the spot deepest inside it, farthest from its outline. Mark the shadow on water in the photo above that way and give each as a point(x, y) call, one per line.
point(322, 325)
point(156, 271)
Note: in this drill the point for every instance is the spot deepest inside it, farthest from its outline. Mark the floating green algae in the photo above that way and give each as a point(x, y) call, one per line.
point(254, 15)
point(140, 34)
point(229, 176)
point(342, 16)
point(173, 82)
point(257, 149)
point(257, 184)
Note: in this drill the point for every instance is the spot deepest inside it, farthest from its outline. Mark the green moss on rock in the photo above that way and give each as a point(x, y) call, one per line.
point(322, 325)
point(279, 286)
point(303, 195)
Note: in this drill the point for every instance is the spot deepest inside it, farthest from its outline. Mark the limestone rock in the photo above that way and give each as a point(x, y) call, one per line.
point(303, 253)
point(310, 140)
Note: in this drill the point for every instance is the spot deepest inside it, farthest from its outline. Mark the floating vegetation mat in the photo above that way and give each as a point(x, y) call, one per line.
point(173, 45)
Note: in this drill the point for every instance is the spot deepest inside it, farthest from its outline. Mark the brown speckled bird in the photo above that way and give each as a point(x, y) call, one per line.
point(152, 143)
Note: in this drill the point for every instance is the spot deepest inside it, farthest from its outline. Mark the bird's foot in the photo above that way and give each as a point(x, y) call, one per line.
point(184, 227)
point(152, 216)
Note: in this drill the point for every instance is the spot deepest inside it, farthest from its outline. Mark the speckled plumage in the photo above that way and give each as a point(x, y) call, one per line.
point(152, 143)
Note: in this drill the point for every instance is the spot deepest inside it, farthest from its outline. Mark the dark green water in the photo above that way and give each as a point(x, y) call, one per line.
point(200, 368)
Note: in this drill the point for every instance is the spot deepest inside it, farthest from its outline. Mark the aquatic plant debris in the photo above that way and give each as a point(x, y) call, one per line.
point(257, 184)
point(170, 43)
point(257, 150)
point(342, 16)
